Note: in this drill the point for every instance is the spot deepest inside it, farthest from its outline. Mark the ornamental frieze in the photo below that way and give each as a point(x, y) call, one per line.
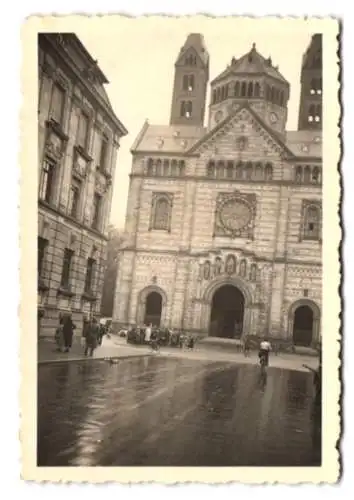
point(230, 265)
point(235, 215)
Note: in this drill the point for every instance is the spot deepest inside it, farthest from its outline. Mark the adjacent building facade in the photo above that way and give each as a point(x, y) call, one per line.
point(224, 222)
point(78, 141)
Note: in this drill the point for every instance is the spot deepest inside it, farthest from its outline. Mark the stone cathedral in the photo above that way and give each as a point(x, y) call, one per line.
point(224, 221)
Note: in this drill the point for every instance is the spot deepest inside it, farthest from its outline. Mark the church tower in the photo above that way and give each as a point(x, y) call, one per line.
point(310, 115)
point(190, 84)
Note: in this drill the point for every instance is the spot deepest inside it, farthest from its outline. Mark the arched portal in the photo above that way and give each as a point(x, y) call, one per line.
point(153, 309)
point(227, 312)
point(303, 326)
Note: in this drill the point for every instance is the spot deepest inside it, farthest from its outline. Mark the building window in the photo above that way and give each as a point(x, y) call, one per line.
point(82, 132)
point(104, 152)
point(57, 104)
point(250, 89)
point(188, 82)
point(312, 222)
point(237, 89)
point(161, 211)
point(186, 109)
point(90, 270)
point(150, 167)
point(211, 169)
point(311, 114)
point(74, 198)
point(42, 247)
point(97, 202)
point(46, 184)
point(243, 89)
point(257, 90)
point(191, 60)
point(214, 97)
point(268, 172)
point(67, 263)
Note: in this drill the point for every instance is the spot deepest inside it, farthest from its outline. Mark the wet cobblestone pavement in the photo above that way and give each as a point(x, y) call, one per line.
point(174, 412)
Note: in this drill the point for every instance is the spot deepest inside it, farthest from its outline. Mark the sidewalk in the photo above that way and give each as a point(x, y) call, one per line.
point(116, 347)
point(110, 349)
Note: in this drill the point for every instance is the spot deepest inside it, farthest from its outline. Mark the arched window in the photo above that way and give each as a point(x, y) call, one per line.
point(174, 170)
point(282, 102)
point(188, 109)
point(319, 86)
point(257, 90)
point(166, 168)
point(298, 174)
point(253, 272)
point(182, 168)
point(243, 89)
point(272, 94)
point(211, 169)
point(222, 93)
point(268, 93)
point(312, 222)
point(190, 83)
point(239, 170)
point(237, 89)
point(259, 171)
point(220, 172)
point(183, 108)
point(311, 114)
point(230, 170)
point(214, 96)
point(307, 174)
point(276, 96)
point(318, 113)
point(226, 91)
point(159, 167)
point(249, 170)
point(218, 95)
point(185, 82)
point(316, 175)
point(313, 86)
point(250, 90)
point(150, 168)
point(161, 218)
point(268, 171)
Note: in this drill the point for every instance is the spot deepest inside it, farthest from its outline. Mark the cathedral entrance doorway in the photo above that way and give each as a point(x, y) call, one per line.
point(303, 326)
point(227, 312)
point(153, 309)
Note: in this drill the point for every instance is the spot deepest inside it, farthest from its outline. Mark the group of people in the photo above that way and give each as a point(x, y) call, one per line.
point(93, 333)
point(157, 336)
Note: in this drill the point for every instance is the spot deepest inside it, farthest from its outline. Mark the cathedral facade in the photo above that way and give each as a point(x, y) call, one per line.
point(224, 222)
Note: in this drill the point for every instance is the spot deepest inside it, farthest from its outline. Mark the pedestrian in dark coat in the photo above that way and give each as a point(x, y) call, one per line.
point(92, 336)
point(68, 332)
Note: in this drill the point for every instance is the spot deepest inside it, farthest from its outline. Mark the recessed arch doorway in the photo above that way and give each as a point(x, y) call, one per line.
point(304, 322)
point(153, 309)
point(227, 312)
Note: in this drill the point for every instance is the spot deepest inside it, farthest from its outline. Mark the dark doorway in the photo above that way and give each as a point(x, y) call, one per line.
point(227, 310)
point(153, 309)
point(303, 326)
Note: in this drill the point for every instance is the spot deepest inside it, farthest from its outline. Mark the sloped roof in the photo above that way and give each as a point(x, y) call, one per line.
point(305, 143)
point(196, 41)
point(252, 62)
point(167, 138)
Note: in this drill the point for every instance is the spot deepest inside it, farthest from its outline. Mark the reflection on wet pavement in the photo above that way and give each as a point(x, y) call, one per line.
point(173, 412)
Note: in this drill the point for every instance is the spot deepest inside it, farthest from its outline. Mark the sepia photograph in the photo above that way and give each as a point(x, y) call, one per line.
point(181, 243)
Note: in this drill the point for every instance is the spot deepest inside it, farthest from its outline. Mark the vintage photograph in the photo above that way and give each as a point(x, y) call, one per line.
point(181, 243)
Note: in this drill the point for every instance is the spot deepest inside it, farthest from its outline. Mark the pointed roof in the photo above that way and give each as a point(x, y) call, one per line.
point(274, 135)
point(252, 62)
point(197, 42)
point(315, 44)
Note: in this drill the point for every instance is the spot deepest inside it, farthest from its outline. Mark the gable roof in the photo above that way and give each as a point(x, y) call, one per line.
point(252, 62)
point(305, 143)
point(276, 137)
point(166, 138)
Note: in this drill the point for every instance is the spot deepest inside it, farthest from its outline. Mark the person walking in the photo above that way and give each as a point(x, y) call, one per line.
point(59, 336)
point(92, 336)
point(68, 332)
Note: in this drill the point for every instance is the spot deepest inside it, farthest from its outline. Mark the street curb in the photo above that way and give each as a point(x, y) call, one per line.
point(87, 360)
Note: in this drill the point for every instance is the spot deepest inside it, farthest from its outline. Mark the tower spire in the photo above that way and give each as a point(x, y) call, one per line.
point(310, 114)
point(190, 82)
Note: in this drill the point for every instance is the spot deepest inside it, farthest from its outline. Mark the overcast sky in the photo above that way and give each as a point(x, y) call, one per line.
point(138, 56)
